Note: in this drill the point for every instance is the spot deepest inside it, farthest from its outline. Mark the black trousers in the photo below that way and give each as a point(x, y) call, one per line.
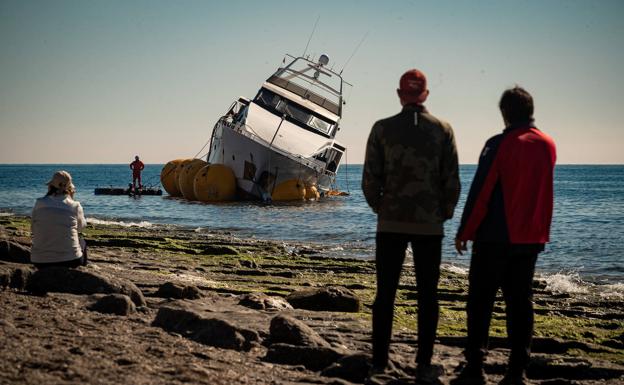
point(389, 259)
point(511, 268)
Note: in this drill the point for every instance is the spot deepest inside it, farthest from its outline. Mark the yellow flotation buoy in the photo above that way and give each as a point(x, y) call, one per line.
point(215, 183)
point(178, 172)
point(187, 178)
point(290, 190)
point(168, 178)
point(311, 193)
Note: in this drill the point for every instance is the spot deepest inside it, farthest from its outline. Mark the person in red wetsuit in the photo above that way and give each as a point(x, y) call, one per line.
point(137, 166)
point(507, 216)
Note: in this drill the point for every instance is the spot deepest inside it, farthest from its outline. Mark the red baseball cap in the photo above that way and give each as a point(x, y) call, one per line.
point(413, 87)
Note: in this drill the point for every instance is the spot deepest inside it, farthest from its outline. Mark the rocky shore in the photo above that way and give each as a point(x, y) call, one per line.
point(168, 305)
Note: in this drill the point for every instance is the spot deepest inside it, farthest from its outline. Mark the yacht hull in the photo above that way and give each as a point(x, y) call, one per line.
point(260, 167)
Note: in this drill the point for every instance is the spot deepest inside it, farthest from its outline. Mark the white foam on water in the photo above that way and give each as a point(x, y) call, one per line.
point(566, 283)
point(573, 284)
point(96, 221)
point(6, 214)
point(612, 291)
point(455, 269)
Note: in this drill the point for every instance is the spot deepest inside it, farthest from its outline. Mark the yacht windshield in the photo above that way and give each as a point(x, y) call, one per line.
point(294, 111)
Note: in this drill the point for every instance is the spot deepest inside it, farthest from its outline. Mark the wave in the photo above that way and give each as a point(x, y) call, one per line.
point(564, 283)
point(570, 283)
point(4, 214)
point(612, 291)
point(97, 221)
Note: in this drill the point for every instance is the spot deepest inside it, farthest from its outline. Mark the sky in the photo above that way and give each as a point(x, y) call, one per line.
point(100, 81)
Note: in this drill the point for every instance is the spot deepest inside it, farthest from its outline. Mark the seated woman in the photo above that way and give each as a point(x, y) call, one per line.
point(56, 220)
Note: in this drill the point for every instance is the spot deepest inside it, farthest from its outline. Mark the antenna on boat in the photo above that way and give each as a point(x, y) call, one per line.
point(312, 34)
point(354, 51)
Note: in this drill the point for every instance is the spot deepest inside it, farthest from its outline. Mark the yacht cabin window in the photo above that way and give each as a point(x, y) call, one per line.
point(272, 101)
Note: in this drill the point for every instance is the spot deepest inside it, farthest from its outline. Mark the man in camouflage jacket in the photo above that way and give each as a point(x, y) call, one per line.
point(411, 182)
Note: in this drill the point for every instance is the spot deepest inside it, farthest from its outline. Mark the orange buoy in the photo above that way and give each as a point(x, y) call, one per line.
point(290, 190)
point(215, 183)
point(168, 178)
point(178, 172)
point(187, 178)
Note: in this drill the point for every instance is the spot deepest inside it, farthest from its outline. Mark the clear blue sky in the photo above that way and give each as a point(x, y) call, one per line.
point(101, 81)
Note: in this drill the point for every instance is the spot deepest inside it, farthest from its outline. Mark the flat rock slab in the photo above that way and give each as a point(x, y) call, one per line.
point(352, 368)
point(330, 298)
point(312, 357)
point(118, 304)
point(172, 290)
point(289, 330)
point(261, 301)
point(213, 331)
point(81, 281)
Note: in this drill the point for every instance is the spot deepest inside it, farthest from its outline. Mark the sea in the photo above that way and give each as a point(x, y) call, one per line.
point(585, 254)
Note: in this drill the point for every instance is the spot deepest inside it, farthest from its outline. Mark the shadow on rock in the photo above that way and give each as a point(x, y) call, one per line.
point(14, 252)
point(545, 367)
point(14, 277)
point(286, 329)
point(352, 368)
point(312, 357)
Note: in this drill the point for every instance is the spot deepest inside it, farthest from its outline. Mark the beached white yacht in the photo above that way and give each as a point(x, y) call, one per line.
point(286, 132)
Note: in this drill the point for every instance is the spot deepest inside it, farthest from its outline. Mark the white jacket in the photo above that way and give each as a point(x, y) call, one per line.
point(56, 221)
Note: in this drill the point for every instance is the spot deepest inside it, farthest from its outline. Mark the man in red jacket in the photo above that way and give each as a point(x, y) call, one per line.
point(137, 166)
point(507, 216)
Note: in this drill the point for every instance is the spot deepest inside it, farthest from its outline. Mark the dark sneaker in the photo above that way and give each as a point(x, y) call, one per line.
point(428, 374)
point(514, 379)
point(470, 375)
point(374, 370)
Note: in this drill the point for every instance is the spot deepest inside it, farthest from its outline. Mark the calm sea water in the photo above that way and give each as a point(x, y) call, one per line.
point(587, 231)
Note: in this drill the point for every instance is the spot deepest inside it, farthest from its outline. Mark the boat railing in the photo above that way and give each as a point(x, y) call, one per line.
point(246, 130)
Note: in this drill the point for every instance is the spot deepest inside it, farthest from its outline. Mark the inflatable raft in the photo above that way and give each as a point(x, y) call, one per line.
point(126, 191)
